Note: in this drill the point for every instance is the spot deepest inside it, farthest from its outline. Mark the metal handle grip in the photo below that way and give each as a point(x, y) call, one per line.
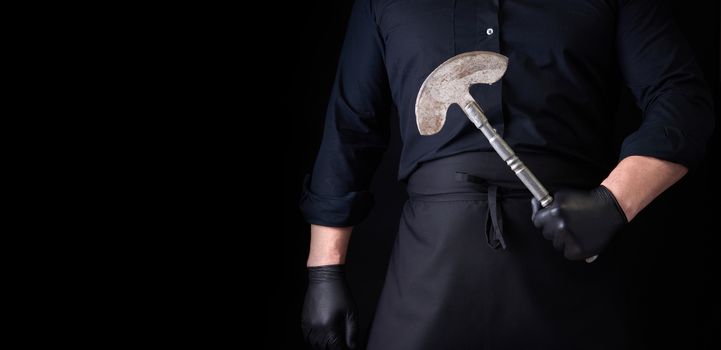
point(475, 114)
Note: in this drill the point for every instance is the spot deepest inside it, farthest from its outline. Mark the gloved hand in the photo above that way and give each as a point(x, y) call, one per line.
point(329, 314)
point(580, 223)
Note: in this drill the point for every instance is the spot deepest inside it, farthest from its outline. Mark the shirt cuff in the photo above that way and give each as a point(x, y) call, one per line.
point(344, 211)
point(663, 142)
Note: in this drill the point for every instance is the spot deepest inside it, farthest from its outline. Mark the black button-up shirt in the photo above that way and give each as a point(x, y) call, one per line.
point(566, 60)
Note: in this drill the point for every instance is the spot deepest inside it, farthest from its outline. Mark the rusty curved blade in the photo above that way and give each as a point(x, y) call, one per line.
point(449, 83)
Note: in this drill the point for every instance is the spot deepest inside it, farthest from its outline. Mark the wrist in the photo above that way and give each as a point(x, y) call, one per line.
point(328, 245)
point(637, 180)
point(327, 258)
point(627, 207)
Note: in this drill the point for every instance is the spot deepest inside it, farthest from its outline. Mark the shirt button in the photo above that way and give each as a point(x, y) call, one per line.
point(489, 31)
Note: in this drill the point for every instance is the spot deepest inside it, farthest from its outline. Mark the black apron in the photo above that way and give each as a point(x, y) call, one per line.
point(470, 271)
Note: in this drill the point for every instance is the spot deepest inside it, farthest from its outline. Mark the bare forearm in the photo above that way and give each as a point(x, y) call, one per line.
point(328, 245)
point(637, 180)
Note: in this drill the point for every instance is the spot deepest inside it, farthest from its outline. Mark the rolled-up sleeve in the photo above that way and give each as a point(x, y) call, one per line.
point(659, 68)
point(356, 128)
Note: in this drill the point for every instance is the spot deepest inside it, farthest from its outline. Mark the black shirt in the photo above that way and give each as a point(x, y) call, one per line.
point(566, 60)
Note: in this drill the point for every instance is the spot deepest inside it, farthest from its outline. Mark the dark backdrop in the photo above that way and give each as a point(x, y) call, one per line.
point(677, 271)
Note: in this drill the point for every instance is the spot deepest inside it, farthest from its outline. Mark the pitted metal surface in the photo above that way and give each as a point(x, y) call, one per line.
point(449, 83)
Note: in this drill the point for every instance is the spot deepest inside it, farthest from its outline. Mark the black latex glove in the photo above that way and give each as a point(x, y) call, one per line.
point(329, 314)
point(580, 223)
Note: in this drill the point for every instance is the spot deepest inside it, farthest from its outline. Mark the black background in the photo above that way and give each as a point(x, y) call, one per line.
point(676, 268)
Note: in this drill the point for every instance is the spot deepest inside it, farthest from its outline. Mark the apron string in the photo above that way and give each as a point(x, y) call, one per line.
point(494, 223)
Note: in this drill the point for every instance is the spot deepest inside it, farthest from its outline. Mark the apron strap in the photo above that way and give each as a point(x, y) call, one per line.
point(494, 222)
point(494, 215)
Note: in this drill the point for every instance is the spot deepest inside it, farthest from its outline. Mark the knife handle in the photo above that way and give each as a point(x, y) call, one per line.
point(475, 114)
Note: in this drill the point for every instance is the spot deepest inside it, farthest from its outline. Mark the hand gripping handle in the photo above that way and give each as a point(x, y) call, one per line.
point(475, 114)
